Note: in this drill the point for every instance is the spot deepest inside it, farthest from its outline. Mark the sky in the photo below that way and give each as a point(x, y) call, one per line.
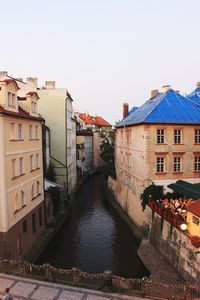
point(105, 52)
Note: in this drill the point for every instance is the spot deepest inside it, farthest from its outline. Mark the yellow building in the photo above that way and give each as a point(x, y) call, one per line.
point(21, 171)
point(193, 218)
point(158, 143)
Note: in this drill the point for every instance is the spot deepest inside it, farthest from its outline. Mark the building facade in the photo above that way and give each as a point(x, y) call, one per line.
point(84, 152)
point(158, 143)
point(21, 184)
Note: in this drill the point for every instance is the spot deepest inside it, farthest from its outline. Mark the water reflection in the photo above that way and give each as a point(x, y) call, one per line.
point(95, 239)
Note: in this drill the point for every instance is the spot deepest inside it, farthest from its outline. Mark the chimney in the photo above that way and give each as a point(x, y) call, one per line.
point(125, 110)
point(166, 88)
point(32, 83)
point(154, 93)
point(50, 85)
point(3, 74)
point(198, 84)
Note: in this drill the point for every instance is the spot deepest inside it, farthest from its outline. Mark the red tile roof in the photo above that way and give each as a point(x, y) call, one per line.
point(194, 208)
point(101, 122)
point(90, 120)
point(20, 114)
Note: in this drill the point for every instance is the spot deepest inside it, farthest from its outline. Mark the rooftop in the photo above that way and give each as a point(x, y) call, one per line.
point(168, 107)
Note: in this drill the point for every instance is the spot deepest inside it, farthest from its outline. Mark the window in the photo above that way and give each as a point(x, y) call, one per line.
point(15, 203)
point(30, 132)
point(24, 226)
point(37, 161)
point(33, 107)
point(38, 187)
point(33, 223)
point(195, 220)
point(21, 166)
point(177, 164)
point(31, 162)
point(13, 168)
point(20, 135)
point(160, 166)
point(36, 132)
point(197, 136)
point(33, 191)
point(160, 136)
point(197, 163)
point(12, 131)
point(40, 216)
point(22, 199)
point(177, 136)
point(11, 99)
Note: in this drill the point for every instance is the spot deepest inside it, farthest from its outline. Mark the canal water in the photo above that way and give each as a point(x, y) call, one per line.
point(95, 238)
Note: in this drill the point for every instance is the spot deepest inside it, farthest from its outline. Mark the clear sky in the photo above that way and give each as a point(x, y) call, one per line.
point(105, 52)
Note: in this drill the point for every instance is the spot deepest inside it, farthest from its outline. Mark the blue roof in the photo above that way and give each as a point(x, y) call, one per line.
point(169, 107)
point(132, 110)
point(195, 95)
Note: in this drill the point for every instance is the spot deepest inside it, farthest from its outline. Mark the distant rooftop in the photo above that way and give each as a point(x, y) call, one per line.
point(91, 120)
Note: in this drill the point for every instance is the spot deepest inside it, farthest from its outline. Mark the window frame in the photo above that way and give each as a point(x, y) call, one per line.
point(160, 164)
point(177, 136)
point(160, 136)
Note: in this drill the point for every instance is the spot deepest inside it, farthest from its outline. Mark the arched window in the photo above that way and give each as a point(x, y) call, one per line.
point(33, 191)
point(22, 199)
point(38, 187)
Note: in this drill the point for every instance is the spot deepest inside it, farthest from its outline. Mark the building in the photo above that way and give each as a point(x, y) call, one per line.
point(94, 123)
point(61, 125)
point(21, 184)
point(193, 218)
point(55, 105)
point(158, 143)
point(84, 152)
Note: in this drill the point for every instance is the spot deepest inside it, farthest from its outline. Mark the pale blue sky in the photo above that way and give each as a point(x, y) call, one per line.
point(105, 52)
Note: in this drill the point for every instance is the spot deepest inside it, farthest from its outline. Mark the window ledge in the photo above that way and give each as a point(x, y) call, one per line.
point(36, 196)
point(196, 171)
point(160, 173)
point(16, 140)
point(35, 169)
point(177, 172)
point(178, 144)
point(34, 139)
point(15, 177)
point(17, 210)
point(161, 144)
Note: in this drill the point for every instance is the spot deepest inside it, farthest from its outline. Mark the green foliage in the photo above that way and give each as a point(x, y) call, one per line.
point(155, 191)
point(55, 197)
point(50, 173)
point(107, 147)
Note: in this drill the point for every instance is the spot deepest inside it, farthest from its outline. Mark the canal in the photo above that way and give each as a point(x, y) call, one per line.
point(95, 238)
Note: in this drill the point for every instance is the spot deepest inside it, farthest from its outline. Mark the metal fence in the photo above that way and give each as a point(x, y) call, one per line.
point(105, 282)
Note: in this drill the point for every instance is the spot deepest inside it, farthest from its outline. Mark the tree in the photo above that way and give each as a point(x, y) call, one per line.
point(155, 191)
point(107, 146)
point(107, 152)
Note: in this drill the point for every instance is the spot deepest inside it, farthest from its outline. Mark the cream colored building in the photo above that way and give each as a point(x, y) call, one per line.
point(158, 143)
point(55, 105)
point(21, 171)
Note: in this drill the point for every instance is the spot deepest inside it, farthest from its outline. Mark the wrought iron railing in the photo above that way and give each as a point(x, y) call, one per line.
point(106, 282)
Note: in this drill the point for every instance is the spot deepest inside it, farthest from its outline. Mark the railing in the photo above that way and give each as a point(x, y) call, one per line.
point(106, 281)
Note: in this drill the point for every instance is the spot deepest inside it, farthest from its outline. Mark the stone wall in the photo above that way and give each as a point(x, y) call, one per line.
point(176, 247)
point(172, 243)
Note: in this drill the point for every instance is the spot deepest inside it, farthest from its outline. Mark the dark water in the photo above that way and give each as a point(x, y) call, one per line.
point(95, 238)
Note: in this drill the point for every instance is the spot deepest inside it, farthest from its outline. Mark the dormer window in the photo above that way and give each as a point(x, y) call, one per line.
point(33, 107)
point(11, 100)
